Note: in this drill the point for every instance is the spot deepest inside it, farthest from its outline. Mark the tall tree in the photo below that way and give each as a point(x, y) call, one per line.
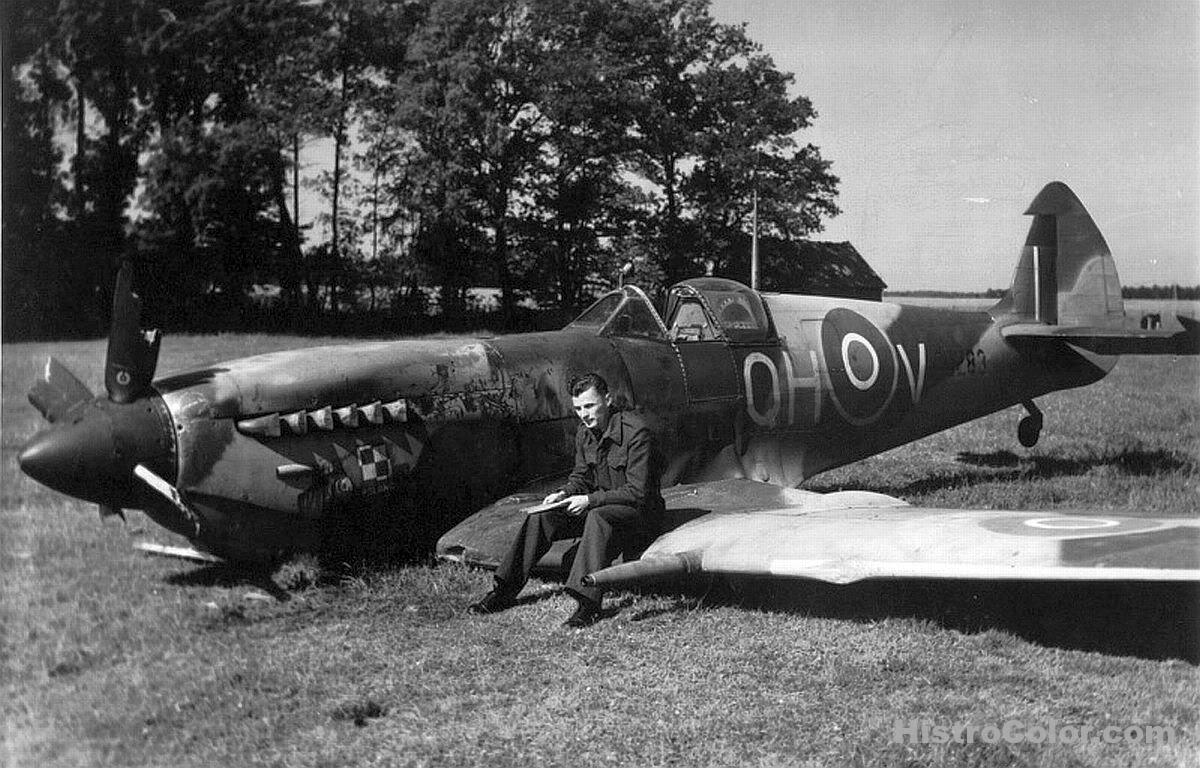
point(579, 197)
point(100, 44)
point(472, 101)
point(747, 149)
point(40, 297)
point(534, 143)
point(235, 85)
point(359, 58)
point(713, 123)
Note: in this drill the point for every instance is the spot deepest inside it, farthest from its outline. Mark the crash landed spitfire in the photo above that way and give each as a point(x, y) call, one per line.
point(266, 455)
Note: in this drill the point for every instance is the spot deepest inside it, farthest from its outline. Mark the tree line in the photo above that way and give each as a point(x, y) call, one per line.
point(1180, 292)
point(532, 145)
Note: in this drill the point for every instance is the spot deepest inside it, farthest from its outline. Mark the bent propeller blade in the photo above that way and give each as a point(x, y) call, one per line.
point(132, 353)
point(57, 391)
point(168, 492)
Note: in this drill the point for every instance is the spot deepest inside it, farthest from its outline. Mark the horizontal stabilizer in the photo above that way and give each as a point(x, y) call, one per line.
point(848, 545)
point(1114, 341)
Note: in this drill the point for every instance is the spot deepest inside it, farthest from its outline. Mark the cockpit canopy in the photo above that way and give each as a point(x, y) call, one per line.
point(715, 308)
point(702, 309)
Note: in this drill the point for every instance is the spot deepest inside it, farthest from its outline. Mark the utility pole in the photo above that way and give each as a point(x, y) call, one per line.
point(754, 245)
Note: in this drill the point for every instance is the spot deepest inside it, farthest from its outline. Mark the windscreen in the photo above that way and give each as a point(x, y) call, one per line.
point(597, 315)
point(636, 319)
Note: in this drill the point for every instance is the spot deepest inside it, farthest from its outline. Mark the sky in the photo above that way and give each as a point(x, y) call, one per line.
point(943, 119)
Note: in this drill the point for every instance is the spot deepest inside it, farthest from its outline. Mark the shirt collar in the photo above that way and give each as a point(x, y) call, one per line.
point(614, 432)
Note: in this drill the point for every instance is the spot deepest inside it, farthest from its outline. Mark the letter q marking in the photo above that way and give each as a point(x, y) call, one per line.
point(769, 418)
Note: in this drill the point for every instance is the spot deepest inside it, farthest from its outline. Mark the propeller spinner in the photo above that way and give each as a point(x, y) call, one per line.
point(94, 443)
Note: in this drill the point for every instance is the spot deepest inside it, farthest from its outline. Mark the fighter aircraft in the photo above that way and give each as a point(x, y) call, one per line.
point(750, 392)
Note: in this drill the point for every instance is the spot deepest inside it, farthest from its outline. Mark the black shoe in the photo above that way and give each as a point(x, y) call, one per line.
point(587, 614)
point(493, 602)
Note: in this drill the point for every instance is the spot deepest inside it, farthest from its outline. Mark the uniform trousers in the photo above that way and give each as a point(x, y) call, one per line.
point(605, 532)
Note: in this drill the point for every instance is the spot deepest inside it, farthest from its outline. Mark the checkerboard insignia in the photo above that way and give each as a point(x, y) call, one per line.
point(375, 464)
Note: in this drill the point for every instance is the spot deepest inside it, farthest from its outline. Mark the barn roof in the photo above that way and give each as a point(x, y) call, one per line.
point(804, 266)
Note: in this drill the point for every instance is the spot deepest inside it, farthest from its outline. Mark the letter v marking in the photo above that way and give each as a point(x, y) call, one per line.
point(915, 386)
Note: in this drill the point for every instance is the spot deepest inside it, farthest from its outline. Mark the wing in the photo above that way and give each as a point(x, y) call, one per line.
point(847, 537)
point(484, 538)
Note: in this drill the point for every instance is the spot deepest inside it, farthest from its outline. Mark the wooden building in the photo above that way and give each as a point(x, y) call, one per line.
point(805, 266)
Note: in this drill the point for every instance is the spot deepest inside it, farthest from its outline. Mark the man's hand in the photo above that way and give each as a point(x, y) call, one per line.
point(553, 497)
point(577, 504)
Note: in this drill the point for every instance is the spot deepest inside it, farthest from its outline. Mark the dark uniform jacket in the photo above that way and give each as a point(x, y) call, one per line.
point(622, 466)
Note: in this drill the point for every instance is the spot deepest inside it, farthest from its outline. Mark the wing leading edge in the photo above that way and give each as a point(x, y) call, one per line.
point(849, 544)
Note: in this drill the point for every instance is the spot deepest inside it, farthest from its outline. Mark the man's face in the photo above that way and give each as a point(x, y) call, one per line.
point(593, 409)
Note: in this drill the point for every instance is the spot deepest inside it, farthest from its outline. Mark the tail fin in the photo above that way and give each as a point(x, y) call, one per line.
point(1066, 289)
point(1066, 275)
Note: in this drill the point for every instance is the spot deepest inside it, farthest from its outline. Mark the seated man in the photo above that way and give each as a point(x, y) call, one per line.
point(612, 498)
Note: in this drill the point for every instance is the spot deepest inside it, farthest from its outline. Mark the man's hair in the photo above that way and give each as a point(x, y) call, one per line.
point(586, 381)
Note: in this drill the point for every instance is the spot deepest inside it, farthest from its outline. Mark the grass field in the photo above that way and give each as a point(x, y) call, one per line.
point(113, 658)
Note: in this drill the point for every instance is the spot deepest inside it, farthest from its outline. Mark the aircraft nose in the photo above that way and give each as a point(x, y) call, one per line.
point(92, 457)
point(77, 459)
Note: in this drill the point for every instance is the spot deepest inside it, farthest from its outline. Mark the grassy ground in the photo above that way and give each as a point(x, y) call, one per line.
point(112, 658)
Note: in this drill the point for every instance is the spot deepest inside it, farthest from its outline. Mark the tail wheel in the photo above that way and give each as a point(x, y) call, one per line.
point(1029, 430)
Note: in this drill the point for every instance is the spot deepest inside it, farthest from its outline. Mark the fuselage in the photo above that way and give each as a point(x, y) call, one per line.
point(273, 449)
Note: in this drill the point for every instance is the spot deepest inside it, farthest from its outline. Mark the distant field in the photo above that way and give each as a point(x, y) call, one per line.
point(109, 657)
